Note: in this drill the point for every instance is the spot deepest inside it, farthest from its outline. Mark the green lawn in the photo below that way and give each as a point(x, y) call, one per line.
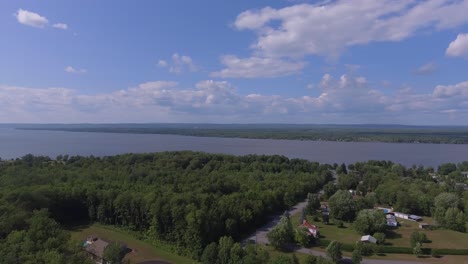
point(401, 236)
point(141, 250)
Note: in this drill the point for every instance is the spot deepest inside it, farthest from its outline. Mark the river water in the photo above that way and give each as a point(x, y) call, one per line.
point(16, 143)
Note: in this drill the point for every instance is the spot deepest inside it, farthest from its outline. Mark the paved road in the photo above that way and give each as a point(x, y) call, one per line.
point(260, 237)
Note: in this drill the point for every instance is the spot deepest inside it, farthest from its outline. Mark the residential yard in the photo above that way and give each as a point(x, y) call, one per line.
point(141, 251)
point(400, 237)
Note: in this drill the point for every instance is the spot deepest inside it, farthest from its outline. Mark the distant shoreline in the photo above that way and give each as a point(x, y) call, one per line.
point(342, 133)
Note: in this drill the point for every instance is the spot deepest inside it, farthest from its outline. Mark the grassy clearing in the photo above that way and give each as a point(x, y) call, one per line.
point(400, 237)
point(141, 250)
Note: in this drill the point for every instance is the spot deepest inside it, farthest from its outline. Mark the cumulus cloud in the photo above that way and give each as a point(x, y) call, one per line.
point(60, 26)
point(426, 69)
point(32, 19)
point(70, 69)
point(329, 27)
point(255, 67)
point(343, 99)
point(178, 64)
point(458, 47)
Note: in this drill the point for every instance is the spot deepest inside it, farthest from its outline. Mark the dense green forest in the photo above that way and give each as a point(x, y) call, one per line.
point(360, 133)
point(190, 200)
point(186, 199)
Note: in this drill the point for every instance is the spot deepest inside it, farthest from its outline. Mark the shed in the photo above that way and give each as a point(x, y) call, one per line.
point(425, 226)
point(368, 239)
point(415, 218)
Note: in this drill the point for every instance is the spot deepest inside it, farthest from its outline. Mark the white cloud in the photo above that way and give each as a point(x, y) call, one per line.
point(31, 19)
point(346, 99)
point(257, 67)
point(458, 47)
point(328, 28)
point(70, 69)
point(178, 64)
point(162, 63)
point(60, 26)
point(425, 69)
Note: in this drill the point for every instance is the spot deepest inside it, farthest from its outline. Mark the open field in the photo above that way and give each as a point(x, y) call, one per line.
point(142, 251)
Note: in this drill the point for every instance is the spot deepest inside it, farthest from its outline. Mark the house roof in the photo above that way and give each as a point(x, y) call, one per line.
point(97, 247)
point(368, 238)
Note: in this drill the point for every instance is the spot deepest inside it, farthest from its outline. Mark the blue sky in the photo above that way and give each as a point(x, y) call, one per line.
point(246, 61)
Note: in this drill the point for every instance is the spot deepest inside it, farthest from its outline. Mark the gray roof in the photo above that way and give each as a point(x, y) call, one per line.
point(97, 247)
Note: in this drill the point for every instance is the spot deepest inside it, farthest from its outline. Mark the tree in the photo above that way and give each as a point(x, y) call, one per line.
point(334, 251)
point(282, 234)
point(342, 206)
point(380, 237)
point(447, 213)
point(342, 169)
point(210, 254)
point(114, 253)
point(447, 168)
point(418, 238)
point(370, 221)
point(237, 254)
point(302, 237)
point(329, 189)
point(224, 249)
point(357, 256)
point(313, 204)
point(255, 255)
point(454, 220)
point(310, 259)
point(417, 249)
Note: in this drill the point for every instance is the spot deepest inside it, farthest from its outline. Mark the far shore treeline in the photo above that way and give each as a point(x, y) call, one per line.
point(348, 133)
point(186, 200)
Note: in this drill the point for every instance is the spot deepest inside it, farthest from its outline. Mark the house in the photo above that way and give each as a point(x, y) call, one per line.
point(368, 239)
point(391, 220)
point(312, 230)
point(95, 249)
point(465, 173)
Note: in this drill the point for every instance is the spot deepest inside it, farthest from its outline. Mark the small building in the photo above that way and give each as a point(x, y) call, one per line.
point(312, 230)
point(415, 218)
point(95, 248)
point(368, 239)
point(401, 215)
point(408, 217)
point(391, 220)
point(425, 226)
point(465, 173)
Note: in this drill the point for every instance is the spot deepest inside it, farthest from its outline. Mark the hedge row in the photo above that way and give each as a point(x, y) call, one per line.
point(449, 251)
point(401, 250)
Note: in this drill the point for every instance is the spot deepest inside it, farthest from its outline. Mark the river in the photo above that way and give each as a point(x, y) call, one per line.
point(16, 143)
